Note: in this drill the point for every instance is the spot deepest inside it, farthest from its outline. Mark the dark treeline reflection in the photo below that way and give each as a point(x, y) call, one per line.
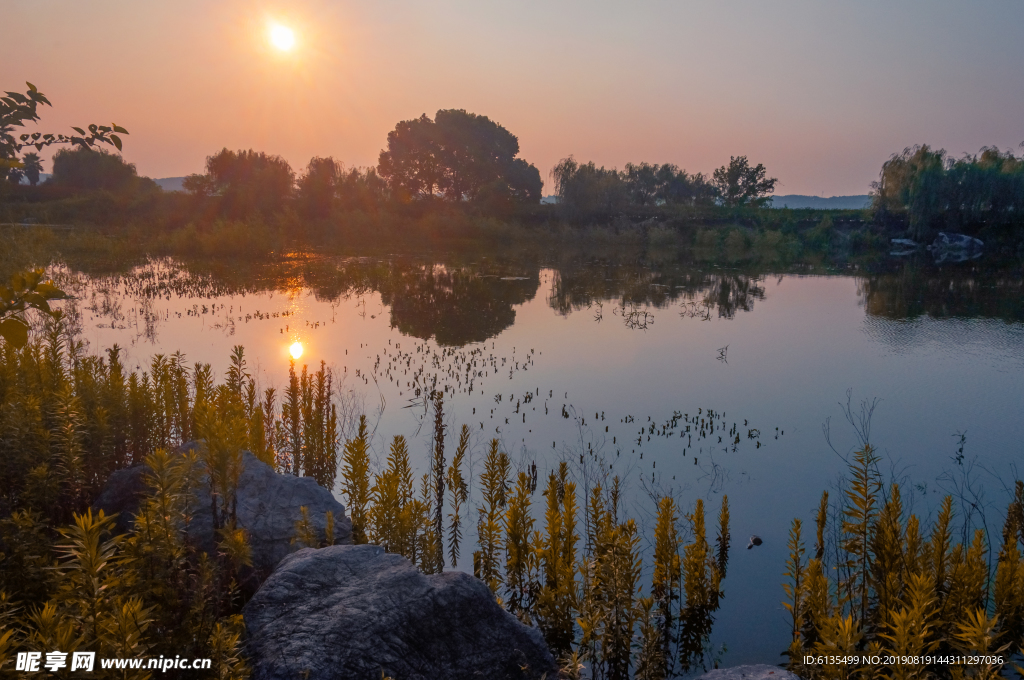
point(456, 302)
point(632, 286)
point(451, 303)
point(964, 292)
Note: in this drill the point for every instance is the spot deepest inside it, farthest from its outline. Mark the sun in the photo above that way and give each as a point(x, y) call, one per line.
point(282, 37)
point(295, 350)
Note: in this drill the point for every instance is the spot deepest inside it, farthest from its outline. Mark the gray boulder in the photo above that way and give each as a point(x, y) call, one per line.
point(123, 493)
point(954, 241)
point(354, 612)
point(902, 247)
point(752, 672)
point(268, 506)
point(949, 247)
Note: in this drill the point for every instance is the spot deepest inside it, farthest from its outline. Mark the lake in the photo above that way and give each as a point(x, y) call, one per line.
point(605, 364)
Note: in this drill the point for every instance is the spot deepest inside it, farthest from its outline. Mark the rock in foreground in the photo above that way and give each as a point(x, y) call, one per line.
point(355, 611)
point(753, 672)
point(268, 508)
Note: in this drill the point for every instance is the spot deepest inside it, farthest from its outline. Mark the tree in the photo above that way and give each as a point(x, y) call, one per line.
point(932, 191)
point(462, 156)
point(360, 188)
point(15, 175)
point(318, 187)
point(521, 184)
point(89, 169)
point(910, 185)
point(740, 184)
point(327, 185)
point(198, 185)
point(677, 187)
point(524, 182)
point(248, 181)
point(32, 166)
point(642, 181)
point(17, 110)
point(411, 164)
point(586, 188)
point(474, 151)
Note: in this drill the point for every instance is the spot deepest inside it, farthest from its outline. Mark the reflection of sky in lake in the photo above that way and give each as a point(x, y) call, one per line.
point(790, 360)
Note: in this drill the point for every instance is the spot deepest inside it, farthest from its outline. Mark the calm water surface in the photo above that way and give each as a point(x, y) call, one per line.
point(606, 350)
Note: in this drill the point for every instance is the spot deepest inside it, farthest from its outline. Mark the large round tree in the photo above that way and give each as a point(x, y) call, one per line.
point(458, 155)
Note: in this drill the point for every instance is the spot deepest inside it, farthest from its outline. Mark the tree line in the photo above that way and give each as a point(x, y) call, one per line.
point(245, 182)
point(929, 191)
point(457, 157)
point(584, 188)
point(465, 159)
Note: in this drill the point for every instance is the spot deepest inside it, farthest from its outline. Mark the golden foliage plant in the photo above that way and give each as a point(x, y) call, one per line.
point(356, 480)
point(900, 593)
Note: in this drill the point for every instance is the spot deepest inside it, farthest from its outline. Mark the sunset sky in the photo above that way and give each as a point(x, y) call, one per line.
point(820, 92)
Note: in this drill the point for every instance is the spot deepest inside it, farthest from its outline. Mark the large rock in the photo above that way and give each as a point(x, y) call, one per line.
point(354, 612)
point(950, 240)
point(268, 506)
point(950, 248)
point(758, 671)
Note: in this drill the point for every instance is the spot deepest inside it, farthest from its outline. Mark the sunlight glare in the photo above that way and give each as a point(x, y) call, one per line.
point(295, 350)
point(282, 37)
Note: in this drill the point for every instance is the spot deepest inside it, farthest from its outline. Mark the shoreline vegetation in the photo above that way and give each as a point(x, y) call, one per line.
point(132, 227)
point(457, 181)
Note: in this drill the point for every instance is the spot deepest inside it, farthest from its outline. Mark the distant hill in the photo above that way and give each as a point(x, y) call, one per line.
point(796, 201)
point(165, 183)
point(821, 203)
point(43, 177)
point(170, 183)
point(788, 201)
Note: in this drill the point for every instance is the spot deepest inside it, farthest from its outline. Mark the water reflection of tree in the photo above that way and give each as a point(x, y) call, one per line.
point(454, 304)
point(970, 292)
point(733, 293)
point(639, 288)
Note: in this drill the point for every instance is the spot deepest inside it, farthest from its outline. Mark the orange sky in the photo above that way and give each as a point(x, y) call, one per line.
point(821, 93)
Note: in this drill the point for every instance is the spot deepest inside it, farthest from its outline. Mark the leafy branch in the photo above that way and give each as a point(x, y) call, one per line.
point(24, 291)
point(17, 110)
